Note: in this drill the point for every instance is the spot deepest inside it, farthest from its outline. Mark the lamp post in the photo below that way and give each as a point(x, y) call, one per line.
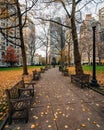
point(94, 81)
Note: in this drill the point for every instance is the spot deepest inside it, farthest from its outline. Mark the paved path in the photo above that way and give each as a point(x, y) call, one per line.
point(59, 105)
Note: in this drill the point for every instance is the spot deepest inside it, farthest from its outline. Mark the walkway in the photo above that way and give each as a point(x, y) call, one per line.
point(59, 105)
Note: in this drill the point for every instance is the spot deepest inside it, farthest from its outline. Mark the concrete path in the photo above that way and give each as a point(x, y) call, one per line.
point(60, 105)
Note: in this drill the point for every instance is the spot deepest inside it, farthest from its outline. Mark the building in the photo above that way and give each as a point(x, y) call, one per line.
point(101, 17)
point(29, 40)
point(12, 35)
point(9, 34)
point(86, 41)
point(101, 20)
point(57, 40)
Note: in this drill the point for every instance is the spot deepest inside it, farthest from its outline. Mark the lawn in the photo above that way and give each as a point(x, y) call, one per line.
point(10, 76)
point(99, 69)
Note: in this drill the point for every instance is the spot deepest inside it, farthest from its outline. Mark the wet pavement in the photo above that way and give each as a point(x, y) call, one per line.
point(60, 105)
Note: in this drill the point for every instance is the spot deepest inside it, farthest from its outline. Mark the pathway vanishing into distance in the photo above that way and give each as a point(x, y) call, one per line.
point(60, 105)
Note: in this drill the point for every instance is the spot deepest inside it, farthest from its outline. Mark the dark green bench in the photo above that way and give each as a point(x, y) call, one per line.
point(19, 100)
point(81, 80)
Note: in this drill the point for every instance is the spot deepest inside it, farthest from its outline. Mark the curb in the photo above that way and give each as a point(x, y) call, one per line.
point(96, 90)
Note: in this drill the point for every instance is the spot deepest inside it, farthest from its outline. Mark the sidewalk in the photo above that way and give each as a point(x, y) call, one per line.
point(59, 105)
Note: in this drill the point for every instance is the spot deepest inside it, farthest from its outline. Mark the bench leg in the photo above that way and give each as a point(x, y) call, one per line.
point(10, 119)
point(27, 116)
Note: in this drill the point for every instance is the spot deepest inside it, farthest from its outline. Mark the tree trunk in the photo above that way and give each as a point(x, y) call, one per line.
point(25, 72)
point(46, 55)
point(77, 57)
point(89, 62)
point(69, 54)
point(32, 60)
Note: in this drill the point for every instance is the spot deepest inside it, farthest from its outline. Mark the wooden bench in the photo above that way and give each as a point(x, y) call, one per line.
point(19, 100)
point(26, 88)
point(61, 68)
point(42, 70)
point(65, 72)
point(36, 75)
point(81, 80)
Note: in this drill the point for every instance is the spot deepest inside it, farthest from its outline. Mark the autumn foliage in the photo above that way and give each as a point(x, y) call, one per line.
point(10, 56)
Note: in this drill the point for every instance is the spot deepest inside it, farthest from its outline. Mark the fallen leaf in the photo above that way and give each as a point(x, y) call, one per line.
point(49, 126)
point(94, 122)
point(83, 125)
point(83, 109)
point(98, 125)
point(18, 128)
point(6, 126)
point(66, 126)
point(32, 126)
point(97, 104)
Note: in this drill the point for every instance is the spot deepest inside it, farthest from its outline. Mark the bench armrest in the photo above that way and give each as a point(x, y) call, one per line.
point(25, 89)
point(30, 84)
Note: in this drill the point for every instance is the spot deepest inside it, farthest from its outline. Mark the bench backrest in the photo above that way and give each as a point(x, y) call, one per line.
point(85, 77)
point(13, 92)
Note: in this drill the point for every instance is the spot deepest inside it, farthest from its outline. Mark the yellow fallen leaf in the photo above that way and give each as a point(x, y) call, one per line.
point(37, 124)
point(63, 114)
point(83, 109)
point(35, 117)
point(47, 96)
point(46, 113)
point(60, 112)
point(66, 126)
point(94, 122)
point(6, 126)
point(18, 128)
point(97, 104)
point(48, 106)
point(98, 125)
point(49, 126)
point(83, 125)
point(67, 116)
point(32, 126)
point(58, 109)
point(54, 119)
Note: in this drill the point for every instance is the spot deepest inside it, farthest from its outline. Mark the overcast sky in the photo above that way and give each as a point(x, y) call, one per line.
point(55, 10)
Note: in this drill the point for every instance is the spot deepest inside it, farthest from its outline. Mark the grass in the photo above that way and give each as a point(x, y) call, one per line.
point(99, 69)
point(18, 68)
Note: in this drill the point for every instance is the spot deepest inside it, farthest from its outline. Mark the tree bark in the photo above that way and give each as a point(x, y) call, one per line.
point(77, 57)
point(25, 72)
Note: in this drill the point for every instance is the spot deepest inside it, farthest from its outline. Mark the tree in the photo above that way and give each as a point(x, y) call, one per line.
point(10, 56)
point(45, 40)
point(73, 10)
point(15, 18)
point(34, 44)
